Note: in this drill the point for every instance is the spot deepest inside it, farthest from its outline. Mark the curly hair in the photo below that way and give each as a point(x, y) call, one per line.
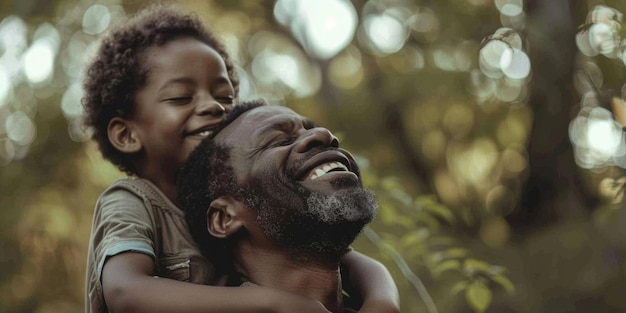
point(206, 175)
point(116, 73)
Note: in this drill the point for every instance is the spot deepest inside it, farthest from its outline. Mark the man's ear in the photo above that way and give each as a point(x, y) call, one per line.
point(122, 136)
point(222, 218)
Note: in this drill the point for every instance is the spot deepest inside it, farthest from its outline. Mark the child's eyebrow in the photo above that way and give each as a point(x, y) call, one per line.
point(174, 81)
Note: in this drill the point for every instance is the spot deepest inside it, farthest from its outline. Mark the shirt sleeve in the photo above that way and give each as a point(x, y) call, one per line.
point(122, 223)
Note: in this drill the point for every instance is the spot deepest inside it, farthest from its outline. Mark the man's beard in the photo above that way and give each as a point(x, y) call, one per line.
point(317, 227)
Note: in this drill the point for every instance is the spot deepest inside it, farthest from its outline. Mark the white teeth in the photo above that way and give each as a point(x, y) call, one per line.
point(205, 133)
point(327, 168)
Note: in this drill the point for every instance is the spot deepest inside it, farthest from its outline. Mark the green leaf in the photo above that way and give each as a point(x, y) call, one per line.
point(458, 287)
point(446, 266)
point(478, 297)
point(504, 282)
point(473, 265)
point(441, 211)
point(455, 253)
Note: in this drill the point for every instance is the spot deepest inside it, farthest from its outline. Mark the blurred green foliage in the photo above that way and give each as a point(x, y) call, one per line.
point(488, 200)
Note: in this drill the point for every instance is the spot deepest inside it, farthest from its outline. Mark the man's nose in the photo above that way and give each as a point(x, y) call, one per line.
point(210, 107)
point(314, 138)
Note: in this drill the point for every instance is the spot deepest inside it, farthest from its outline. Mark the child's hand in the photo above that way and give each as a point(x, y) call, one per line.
point(288, 302)
point(379, 306)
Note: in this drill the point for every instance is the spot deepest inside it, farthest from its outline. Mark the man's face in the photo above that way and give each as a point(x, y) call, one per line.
point(306, 191)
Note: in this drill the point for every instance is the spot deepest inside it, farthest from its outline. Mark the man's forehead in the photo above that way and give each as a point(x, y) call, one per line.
point(256, 120)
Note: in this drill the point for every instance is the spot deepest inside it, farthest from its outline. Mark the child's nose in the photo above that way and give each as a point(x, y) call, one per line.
point(210, 107)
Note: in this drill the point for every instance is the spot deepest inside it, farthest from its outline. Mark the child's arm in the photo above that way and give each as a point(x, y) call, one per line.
point(129, 286)
point(373, 282)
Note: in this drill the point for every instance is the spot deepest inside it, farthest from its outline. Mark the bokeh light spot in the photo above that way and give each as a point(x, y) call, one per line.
point(508, 91)
point(289, 68)
point(70, 103)
point(5, 86)
point(601, 38)
point(513, 162)
point(73, 59)
point(509, 36)
point(511, 9)
point(517, 66)
point(96, 19)
point(13, 40)
point(38, 61)
point(504, 4)
point(482, 86)
point(443, 58)
point(386, 32)
point(584, 45)
point(47, 32)
point(7, 152)
point(597, 138)
point(324, 27)
point(603, 136)
point(285, 68)
point(458, 120)
point(603, 14)
point(77, 131)
point(20, 128)
point(425, 23)
point(475, 162)
point(492, 56)
point(345, 70)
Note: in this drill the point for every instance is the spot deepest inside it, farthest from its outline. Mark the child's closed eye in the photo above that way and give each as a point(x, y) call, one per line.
point(179, 100)
point(226, 99)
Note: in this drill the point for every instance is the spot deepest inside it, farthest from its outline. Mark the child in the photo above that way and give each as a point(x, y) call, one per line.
point(157, 86)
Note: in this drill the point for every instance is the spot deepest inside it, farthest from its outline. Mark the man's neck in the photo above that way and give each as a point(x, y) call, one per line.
point(278, 270)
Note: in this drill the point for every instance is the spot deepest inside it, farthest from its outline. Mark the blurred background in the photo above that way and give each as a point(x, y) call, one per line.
point(491, 131)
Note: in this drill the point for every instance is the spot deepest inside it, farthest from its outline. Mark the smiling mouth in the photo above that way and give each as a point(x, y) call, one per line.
point(324, 169)
point(205, 132)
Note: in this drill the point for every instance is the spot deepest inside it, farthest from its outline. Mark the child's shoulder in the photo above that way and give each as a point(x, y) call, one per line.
point(139, 188)
point(129, 182)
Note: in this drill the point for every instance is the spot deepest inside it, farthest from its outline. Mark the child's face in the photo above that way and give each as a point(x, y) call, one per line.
point(187, 92)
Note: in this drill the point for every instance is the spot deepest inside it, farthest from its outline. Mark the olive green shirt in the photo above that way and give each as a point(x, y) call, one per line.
point(133, 215)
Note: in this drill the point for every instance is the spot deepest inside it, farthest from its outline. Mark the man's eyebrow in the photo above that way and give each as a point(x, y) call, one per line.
point(308, 124)
point(286, 125)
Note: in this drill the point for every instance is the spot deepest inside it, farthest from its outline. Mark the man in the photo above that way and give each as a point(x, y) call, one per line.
point(274, 196)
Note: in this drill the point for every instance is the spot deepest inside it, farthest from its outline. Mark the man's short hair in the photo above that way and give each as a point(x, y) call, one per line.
point(196, 191)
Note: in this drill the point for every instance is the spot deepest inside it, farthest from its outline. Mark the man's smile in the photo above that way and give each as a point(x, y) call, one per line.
point(323, 164)
point(325, 168)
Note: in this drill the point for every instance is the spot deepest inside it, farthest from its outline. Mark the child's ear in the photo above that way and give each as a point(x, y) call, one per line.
point(122, 136)
point(222, 217)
